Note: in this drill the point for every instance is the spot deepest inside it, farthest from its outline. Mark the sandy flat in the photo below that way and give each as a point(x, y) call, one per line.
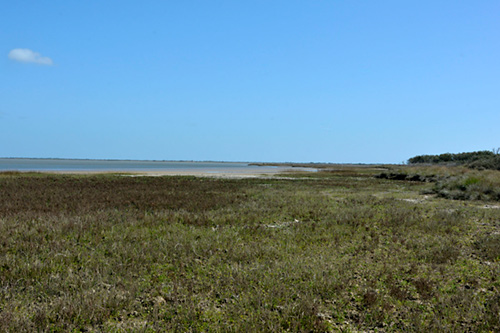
point(254, 173)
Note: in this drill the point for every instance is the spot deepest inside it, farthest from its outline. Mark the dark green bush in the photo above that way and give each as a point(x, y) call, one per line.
point(459, 159)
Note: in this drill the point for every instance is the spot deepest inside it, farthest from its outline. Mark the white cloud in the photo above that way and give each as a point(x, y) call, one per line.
point(27, 55)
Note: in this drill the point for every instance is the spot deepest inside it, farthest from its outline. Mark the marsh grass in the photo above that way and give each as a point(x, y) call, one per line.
point(474, 185)
point(453, 182)
point(324, 253)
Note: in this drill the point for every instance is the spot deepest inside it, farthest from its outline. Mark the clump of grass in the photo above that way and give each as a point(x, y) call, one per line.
point(491, 163)
point(483, 185)
point(488, 246)
point(454, 182)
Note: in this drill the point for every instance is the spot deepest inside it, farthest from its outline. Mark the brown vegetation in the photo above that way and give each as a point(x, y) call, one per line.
point(332, 251)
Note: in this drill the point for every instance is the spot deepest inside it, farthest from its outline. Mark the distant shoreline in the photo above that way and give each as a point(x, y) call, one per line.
point(141, 167)
point(116, 160)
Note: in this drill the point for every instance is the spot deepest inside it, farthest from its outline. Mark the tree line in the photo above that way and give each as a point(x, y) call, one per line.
point(484, 159)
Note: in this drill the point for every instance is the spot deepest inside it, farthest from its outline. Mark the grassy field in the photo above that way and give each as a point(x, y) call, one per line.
point(337, 250)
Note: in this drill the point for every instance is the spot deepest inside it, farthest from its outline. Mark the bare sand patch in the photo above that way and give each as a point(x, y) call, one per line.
point(262, 172)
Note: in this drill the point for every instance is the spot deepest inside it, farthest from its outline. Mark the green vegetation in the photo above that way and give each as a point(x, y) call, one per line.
point(457, 183)
point(461, 158)
point(491, 163)
point(477, 160)
point(328, 251)
point(471, 186)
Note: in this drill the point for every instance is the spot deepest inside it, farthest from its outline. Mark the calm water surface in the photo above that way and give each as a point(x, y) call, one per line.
point(21, 164)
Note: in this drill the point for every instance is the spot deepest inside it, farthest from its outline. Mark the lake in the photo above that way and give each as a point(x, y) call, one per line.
point(80, 165)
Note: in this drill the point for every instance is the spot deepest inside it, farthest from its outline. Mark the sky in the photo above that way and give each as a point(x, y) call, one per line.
point(272, 81)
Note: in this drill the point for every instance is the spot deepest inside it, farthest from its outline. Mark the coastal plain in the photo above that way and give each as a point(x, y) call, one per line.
point(340, 249)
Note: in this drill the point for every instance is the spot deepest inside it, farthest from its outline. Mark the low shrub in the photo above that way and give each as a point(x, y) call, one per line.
point(472, 186)
point(406, 176)
point(490, 163)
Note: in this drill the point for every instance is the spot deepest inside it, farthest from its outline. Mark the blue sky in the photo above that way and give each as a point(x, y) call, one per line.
point(322, 81)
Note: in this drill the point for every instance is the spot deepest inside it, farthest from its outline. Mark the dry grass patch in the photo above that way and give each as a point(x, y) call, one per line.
point(112, 253)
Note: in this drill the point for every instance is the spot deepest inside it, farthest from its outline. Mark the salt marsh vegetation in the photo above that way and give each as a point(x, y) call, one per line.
point(337, 250)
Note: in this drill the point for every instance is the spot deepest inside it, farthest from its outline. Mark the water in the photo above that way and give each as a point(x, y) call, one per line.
point(63, 165)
